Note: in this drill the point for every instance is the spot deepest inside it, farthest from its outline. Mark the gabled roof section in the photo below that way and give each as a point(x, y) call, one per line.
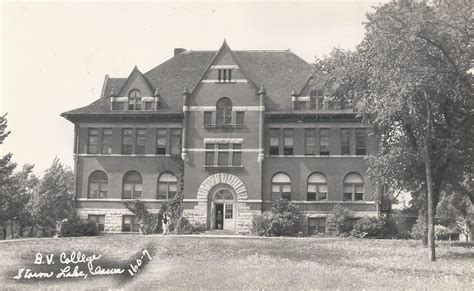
point(280, 71)
point(135, 76)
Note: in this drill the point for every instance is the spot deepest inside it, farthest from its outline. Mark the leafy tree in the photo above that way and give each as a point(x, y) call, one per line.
point(415, 90)
point(456, 211)
point(284, 219)
point(7, 183)
point(53, 201)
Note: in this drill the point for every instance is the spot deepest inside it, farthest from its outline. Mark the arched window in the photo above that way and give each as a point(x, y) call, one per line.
point(224, 111)
point(167, 186)
point(97, 185)
point(317, 187)
point(281, 186)
point(223, 195)
point(135, 99)
point(353, 187)
point(132, 186)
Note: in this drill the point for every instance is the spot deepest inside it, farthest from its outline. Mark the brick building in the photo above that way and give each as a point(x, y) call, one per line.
point(251, 126)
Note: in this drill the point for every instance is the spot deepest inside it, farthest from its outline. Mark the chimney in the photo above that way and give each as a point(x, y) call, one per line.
point(178, 50)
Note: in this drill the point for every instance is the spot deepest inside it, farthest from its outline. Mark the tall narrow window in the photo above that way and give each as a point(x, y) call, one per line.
point(132, 186)
point(281, 186)
point(240, 117)
point(161, 137)
point(127, 141)
point(210, 154)
point(353, 187)
point(219, 73)
point(135, 100)
point(324, 141)
point(207, 118)
point(175, 141)
point(316, 99)
point(167, 186)
point(93, 142)
point(223, 154)
point(106, 141)
point(141, 141)
point(317, 187)
point(361, 136)
point(346, 141)
point(310, 141)
point(288, 142)
point(224, 111)
point(274, 141)
point(237, 154)
point(98, 185)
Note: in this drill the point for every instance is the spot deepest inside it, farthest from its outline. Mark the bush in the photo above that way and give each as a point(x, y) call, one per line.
point(283, 220)
point(77, 227)
point(183, 226)
point(342, 219)
point(419, 229)
point(372, 227)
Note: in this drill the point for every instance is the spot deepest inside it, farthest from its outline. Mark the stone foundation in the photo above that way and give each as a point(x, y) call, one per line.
point(113, 217)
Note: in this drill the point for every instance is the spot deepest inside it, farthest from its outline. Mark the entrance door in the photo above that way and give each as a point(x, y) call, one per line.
point(223, 207)
point(229, 216)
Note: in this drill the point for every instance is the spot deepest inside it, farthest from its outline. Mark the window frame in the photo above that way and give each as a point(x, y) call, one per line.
point(100, 181)
point(90, 138)
point(133, 192)
point(361, 141)
point(281, 185)
point(224, 111)
point(288, 150)
point(140, 141)
point(353, 186)
point(134, 223)
point(309, 148)
point(160, 137)
point(175, 141)
point(106, 147)
point(135, 101)
point(318, 195)
point(96, 218)
point(127, 149)
point(346, 141)
point(322, 139)
point(274, 150)
point(167, 184)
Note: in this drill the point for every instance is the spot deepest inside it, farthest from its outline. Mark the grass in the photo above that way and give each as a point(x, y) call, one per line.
point(201, 262)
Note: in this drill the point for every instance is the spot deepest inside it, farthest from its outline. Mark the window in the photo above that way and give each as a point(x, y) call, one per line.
point(127, 142)
point(93, 141)
point(132, 186)
point(141, 140)
point(310, 141)
point(345, 141)
point(99, 220)
point(207, 117)
point(223, 154)
point(240, 117)
point(300, 105)
point(229, 209)
point(236, 154)
point(281, 186)
point(167, 186)
point(106, 141)
point(148, 105)
point(274, 141)
point(224, 111)
point(361, 135)
point(130, 223)
point(97, 185)
point(316, 225)
point(161, 137)
point(135, 100)
point(175, 141)
point(353, 187)
point(317, 187)
point(324, 141)
point(118, 105)
point(224, 75)
point(288, 142)
point(209, 154)
point(316, 99)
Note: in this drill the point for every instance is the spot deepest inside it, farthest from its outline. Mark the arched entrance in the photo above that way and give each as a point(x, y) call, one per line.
point(222, 189)
point(223, 207)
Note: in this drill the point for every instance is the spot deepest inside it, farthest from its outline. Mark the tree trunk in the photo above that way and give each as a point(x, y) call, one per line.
point(11, 229)
point(424, 239)
point(429, 181)
point(4, 232)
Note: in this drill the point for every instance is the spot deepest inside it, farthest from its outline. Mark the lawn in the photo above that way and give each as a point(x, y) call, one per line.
point(185, 262)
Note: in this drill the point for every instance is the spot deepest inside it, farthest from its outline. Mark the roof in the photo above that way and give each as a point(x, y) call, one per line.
point(280, 71)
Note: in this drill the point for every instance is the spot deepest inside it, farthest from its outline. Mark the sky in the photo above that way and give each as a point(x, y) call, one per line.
point(54, 55)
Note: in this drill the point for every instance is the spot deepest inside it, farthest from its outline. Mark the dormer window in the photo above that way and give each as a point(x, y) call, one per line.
point(316, 99)
point(135, 100)
point(224, 75)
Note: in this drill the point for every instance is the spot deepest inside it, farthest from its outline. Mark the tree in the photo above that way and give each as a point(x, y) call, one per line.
point(415, 90)
point(53, 201)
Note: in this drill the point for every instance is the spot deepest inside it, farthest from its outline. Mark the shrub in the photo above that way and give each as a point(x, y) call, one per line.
point(372, 227)
point(183, 226)
point(342, 219)
point(77, 227)
point(419, 229)
point(283, 220)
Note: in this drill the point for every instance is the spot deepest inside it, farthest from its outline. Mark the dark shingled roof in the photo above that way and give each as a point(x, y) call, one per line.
point(280, 71)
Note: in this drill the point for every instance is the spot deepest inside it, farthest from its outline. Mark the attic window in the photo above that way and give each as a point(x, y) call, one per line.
point(135, 100)
point(224, 75)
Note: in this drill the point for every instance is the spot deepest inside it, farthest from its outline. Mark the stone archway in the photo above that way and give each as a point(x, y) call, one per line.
point(222, 178)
